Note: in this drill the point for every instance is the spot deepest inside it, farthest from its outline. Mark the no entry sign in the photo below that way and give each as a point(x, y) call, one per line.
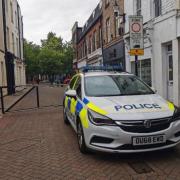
point(136, 35)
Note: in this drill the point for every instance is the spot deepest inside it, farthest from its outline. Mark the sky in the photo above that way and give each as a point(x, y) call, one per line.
point(59, 16)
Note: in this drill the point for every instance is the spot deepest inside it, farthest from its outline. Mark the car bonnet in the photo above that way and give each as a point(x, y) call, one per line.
point(133, 107)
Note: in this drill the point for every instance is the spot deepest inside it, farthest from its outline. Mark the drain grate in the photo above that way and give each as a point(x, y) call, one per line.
point(140, 167)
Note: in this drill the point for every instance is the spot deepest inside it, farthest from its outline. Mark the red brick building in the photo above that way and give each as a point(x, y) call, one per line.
point(87, 40)
point(100, 40)
point(113, 31)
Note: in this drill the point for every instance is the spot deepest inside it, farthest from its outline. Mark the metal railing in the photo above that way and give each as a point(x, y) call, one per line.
point(4, 110)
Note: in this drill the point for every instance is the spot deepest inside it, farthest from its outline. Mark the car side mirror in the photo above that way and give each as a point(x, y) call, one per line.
point(153, 89)
point(71, 93)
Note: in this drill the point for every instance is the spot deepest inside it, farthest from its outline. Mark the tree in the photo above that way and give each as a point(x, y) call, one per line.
point(31, 53)
point(53, 57)
point(52, 42)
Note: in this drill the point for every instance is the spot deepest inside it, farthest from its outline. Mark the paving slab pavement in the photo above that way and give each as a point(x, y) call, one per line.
point(37, 145)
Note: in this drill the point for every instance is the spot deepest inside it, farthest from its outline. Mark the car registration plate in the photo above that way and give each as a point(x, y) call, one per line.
point(148, 140)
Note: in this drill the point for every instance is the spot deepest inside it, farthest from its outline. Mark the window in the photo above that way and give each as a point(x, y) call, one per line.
point(7, 7)
point(117, 26)
point(16, 19)
point(17, 47)
point(144, 70)
point(116, 85)
point(138, 7)
point(99, 38)
point(71, 85)
point(94, 41)
point(89, 45)
point(157, 7)
point(8, 40)
point(170, 62)
point(78, 88)
point(12, 17)
point(108, 30)
point(106, 3)
point(13, 43)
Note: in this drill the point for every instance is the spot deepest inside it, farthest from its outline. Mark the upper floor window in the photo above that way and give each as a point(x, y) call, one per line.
point(138, 7)
point(107, 3)
point(100, 38)
point(7, 7)
point(16, 19)
point(157, 7)
point(8, 39)
point(12, 17)
point(94, 41)
point(13, 43)
point(108, 30)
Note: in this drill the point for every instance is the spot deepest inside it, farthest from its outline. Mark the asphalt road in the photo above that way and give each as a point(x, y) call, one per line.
point(35, 144)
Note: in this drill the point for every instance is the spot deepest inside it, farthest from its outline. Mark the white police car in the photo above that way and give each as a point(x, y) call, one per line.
point(117, 112)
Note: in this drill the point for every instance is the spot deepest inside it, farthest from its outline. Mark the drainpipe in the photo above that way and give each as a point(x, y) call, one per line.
point(5, 39)
point(102, 44)
point(4, 26)
point(19, 32)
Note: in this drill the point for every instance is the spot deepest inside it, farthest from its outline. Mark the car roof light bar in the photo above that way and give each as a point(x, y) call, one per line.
point(86, 69)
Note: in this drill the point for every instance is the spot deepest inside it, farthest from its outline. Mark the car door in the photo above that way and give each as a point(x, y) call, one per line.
point(77, 88)
point(69, 99)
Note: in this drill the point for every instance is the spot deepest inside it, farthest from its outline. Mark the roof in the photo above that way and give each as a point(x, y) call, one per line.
point(91, 21)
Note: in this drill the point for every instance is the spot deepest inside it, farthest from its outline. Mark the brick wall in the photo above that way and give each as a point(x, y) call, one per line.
point(108, 13)
point(84, 45)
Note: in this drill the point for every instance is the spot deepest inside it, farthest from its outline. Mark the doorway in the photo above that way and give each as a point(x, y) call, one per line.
point(170, 78)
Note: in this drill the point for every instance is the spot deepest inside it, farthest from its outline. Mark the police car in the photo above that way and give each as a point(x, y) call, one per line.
point(115, 111)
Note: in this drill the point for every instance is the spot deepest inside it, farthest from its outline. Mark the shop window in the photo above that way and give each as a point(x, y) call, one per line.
point(144, 70)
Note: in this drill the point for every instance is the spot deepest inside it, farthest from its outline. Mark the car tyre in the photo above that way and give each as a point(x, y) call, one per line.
point(80, 137)
point(66, 121)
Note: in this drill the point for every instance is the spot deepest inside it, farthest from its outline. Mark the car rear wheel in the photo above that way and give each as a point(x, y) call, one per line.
point(80, 138)
point(66, 121)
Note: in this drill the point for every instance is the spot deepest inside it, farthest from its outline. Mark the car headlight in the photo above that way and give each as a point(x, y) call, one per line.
point(176, 115)
point(99, 119)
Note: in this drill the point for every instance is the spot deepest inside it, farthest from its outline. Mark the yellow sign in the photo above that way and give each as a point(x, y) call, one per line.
point(136, 52)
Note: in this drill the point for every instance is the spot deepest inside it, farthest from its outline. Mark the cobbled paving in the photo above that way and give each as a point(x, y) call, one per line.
point(37, 145)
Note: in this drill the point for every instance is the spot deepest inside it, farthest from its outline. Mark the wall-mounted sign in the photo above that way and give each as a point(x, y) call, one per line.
point(136, 35)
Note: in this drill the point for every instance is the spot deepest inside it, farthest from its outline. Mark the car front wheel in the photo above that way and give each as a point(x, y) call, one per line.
point(66, 121)
point(81, 140)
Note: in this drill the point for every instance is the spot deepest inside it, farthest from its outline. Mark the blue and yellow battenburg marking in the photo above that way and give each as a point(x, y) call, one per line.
point(76, 107)
point(94, 107)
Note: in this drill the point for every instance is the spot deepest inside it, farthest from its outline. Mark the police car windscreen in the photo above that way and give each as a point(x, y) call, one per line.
point(116, 85)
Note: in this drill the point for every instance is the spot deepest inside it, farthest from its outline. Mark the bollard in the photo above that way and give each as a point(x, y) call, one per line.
point(37, 95)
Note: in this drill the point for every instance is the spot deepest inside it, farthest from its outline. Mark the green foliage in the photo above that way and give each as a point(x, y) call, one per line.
point(53, 57)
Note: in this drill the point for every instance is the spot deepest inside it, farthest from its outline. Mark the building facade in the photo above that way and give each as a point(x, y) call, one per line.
point(87, 40)
point(3, 81)
point(160, 65)
point(13, 45)
point(100, 40)
point(113, 31)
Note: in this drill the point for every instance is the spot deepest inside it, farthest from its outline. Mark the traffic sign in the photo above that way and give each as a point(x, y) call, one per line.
point(136, 52)
point(136, 35)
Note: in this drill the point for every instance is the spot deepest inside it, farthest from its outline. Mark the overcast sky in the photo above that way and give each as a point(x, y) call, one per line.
point(43, 16)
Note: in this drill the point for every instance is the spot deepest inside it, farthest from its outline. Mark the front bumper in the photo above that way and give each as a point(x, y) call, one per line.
point(115, 140)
